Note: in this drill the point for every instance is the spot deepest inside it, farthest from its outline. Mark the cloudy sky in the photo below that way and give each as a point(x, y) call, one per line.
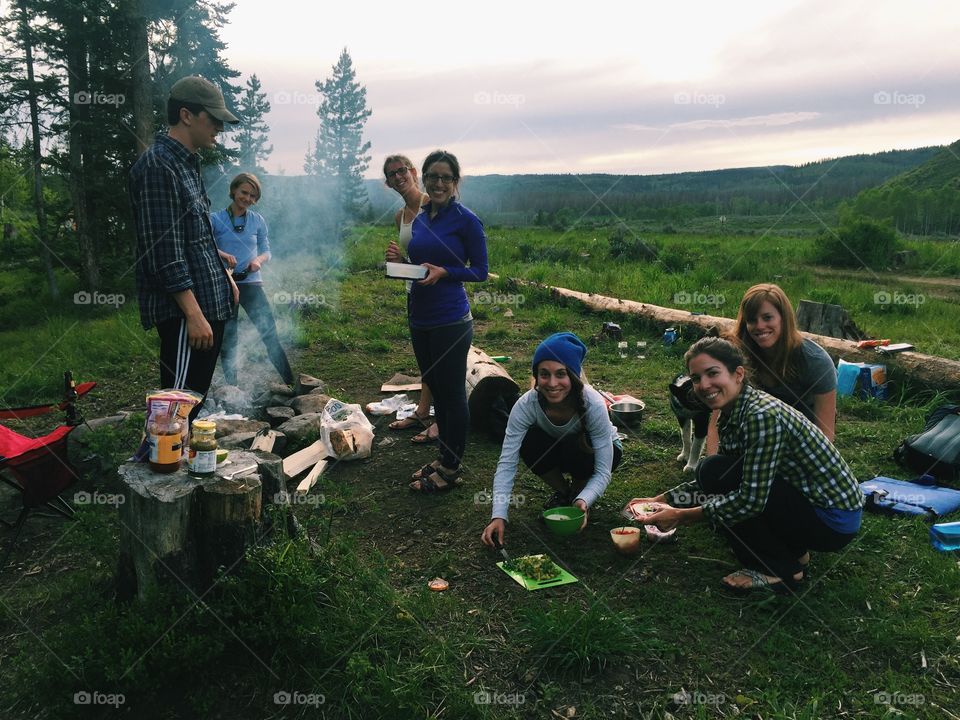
point(618, 87)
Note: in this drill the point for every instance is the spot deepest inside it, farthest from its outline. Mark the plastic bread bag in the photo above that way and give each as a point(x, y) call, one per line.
point(346, 431)
point(167, 403)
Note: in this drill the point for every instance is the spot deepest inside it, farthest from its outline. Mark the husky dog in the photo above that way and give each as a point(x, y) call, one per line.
point(693, 416)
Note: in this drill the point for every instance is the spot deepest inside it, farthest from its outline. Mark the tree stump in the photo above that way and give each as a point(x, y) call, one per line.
point(827, 319)
point(491, 393)
point(177, 531)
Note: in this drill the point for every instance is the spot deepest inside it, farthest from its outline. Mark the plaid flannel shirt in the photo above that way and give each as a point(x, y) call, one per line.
point(776, 440)
point(175, 246)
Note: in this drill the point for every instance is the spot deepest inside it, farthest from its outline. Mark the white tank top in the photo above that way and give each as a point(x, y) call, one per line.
point(406, 232)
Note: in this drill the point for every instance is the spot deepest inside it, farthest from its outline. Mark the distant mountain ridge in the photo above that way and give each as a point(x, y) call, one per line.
point(740, 191)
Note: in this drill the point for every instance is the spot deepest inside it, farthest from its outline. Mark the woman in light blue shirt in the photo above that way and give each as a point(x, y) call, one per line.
point(241, 235)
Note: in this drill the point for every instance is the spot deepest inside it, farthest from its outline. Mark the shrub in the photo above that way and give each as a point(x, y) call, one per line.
point(858, 242)
point(626, 246)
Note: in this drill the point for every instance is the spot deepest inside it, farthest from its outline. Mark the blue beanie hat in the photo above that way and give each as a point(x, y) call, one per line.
point(565, 348)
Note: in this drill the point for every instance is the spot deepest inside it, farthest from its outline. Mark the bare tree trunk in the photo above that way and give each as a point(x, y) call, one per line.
point(42, 236)
point(140, 76)
point(77, 85)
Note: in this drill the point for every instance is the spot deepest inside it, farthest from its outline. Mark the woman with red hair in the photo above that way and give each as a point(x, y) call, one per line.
point(782, 362)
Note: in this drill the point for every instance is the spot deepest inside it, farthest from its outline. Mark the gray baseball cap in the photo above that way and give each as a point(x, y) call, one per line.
point(200, 91)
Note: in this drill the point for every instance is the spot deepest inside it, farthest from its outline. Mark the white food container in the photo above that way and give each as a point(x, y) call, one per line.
point(405, 271)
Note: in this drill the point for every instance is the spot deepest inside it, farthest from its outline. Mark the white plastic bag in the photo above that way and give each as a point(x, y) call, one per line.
point(346, 431)
point(387, 405)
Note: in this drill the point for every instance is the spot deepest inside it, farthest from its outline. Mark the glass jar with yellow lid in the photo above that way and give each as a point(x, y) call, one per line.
point(202, 457)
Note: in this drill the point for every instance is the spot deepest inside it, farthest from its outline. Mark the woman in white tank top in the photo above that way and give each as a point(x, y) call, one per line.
point(401, 176)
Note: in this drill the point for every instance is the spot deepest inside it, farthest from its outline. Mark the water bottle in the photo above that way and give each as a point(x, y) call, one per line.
point(945, 536)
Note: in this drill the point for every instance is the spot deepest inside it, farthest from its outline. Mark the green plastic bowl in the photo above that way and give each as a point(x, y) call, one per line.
point(564, 520)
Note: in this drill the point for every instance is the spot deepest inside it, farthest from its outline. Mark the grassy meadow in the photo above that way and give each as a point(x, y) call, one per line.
point(340, 623)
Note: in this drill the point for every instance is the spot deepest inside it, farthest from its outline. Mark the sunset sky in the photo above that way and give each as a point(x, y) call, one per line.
point(565, 87)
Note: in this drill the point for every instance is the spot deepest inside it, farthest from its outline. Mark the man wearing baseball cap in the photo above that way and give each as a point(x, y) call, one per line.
point(183, 287)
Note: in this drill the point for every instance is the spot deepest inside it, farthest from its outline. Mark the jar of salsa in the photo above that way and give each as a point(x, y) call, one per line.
point(164, 435)
point(202, 457)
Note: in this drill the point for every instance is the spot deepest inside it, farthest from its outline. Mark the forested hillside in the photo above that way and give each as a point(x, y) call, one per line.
point(526, 199)
point(924, 200)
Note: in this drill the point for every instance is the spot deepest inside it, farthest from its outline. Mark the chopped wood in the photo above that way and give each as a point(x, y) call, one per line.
point(387, 387)
point(264, 440)
point(304, 487)
point(401, 383)
point(302, 459)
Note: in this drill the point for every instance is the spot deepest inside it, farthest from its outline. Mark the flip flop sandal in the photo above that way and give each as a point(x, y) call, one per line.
point(427, 469)
point(411, 421)
point(759, 582)
point(424, 437)
point(428, 483)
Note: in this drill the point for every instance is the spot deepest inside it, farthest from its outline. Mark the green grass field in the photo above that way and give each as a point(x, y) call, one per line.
point(343, 621)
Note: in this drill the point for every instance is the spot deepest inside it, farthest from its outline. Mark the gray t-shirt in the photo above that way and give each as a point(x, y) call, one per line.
point(817, 376)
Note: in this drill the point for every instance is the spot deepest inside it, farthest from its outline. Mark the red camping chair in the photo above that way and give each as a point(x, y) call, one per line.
point(38, 468)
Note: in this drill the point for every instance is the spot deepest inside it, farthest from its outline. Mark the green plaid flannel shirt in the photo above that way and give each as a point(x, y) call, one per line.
point(776, 440)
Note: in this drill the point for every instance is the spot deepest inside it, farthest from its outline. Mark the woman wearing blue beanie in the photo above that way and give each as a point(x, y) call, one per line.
point(560, 426)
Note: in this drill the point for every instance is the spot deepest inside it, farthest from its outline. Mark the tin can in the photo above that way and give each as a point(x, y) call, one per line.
point(669, 336)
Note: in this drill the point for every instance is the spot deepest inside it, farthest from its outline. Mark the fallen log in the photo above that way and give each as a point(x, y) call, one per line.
point(929, 370)
point(491, 393)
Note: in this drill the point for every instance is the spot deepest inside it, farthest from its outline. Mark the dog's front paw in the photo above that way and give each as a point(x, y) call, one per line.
point(682, 457)
point(690, 468)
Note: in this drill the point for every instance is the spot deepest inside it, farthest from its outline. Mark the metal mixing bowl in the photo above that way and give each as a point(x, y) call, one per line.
point(627, 413)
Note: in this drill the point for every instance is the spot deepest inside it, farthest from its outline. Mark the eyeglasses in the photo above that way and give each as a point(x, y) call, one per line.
point(434, 177)
point(399, 171)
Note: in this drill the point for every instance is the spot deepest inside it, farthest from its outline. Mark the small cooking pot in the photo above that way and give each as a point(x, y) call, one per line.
point(627, 413)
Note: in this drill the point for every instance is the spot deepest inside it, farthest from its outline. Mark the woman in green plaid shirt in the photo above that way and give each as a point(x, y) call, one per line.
point(777, 489)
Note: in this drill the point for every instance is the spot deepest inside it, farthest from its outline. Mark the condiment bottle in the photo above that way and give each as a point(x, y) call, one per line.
point(164, 435)
point(202, 458)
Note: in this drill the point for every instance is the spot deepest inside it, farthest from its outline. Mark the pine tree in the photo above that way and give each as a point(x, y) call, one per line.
point(339, 152)
point(251, 137)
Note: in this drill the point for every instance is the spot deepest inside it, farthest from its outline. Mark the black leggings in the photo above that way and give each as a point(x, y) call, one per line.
point(442, 357)
point(787, 528)
point(542, 453)
point(254, 301)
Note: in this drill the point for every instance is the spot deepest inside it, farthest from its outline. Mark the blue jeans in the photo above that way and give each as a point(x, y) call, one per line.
point(254, 301)
point(441, 354)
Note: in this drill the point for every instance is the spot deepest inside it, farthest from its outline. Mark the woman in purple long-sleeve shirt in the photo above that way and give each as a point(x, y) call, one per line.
point(448, 240)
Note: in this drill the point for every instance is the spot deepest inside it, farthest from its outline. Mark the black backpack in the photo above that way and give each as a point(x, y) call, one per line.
point(936, 450)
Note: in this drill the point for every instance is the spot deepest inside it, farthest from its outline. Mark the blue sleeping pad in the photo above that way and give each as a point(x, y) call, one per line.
point(922, 497)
